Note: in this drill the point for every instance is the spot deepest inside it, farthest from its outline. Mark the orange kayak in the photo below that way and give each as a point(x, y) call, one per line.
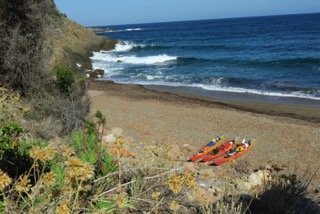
point(218, 152)
point(206, 150)
point(235, 153)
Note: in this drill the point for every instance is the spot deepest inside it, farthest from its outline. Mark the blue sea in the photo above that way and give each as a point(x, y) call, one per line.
point(273, 55)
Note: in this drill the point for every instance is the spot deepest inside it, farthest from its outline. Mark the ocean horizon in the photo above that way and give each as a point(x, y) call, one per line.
point(276, 56)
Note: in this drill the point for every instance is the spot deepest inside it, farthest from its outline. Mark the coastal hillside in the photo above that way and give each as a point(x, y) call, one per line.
point(73, 43)
point(69, 144)
point(39, 54)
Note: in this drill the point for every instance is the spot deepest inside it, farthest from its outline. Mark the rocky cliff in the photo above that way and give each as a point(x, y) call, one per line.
point(74, 44)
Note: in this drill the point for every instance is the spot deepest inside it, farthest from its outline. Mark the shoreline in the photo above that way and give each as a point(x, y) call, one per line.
point(163, 119)
point(296, 109)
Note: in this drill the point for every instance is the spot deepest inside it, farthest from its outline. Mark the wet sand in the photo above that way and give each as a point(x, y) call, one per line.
point(286, 134)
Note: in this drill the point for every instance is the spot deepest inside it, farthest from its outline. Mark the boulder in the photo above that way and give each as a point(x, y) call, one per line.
point(258, 178)
point(254, 179)
point(109, 139)
point(93, 75)
point(244, 186)
point(98, 72)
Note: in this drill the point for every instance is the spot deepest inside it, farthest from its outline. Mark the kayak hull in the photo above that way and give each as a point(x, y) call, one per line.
point(228, 158)
point(222, 150)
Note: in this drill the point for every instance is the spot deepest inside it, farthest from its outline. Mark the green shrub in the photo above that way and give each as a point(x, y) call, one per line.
point(9, 134)
point(65, 78)
point(282, 195)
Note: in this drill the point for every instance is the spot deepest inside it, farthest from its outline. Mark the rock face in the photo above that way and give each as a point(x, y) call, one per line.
point(73, 43)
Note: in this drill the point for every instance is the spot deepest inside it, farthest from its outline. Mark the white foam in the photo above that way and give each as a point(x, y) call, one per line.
point(133, 29)
point(149, 77)
point(123, 46)
point(148, 60)
point(125, 30)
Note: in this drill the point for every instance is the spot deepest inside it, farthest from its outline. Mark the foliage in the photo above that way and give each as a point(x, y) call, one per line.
point(65, 79)
point(11, 106)
point(9, 134)
point(58, 177)
point(281, 195)
point(25, 54)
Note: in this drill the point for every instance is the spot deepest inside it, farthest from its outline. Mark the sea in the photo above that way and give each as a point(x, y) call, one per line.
point(276, 56)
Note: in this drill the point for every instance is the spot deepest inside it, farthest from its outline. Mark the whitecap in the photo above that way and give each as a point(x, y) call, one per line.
point(147, 60)
point(133, 29)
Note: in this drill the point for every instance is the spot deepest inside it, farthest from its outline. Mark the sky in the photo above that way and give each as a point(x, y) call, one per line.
point(116, 12)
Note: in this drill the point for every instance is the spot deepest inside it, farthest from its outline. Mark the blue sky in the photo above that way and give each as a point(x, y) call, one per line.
point(112, 12)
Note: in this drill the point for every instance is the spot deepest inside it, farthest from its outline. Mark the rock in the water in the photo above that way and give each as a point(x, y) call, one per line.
point(98, 72)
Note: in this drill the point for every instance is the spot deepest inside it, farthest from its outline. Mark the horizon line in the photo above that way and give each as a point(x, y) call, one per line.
point(237, 17)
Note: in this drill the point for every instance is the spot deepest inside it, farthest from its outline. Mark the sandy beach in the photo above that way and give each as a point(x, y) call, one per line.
point(157, 117)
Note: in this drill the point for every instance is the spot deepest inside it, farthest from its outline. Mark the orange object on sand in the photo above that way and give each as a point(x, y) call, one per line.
point(218, 152)
point(206, 149)
point(235, 153)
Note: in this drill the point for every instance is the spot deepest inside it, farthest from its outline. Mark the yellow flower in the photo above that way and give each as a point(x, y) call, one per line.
point(189, 180)
point(121, 200)
point(67, 151)
point(43, 154)
point(49, 179)
point(79, 170)
point(174, 205)
point(119, 147)
point(175, 183)
point(63, 208)
point(155, 195)
point(5, 180)
point(74, 162)
point(23, 184)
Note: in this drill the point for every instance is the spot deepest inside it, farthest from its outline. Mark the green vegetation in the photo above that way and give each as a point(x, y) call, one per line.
point(56, 95)
point(80, 173)
point(65, 79)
